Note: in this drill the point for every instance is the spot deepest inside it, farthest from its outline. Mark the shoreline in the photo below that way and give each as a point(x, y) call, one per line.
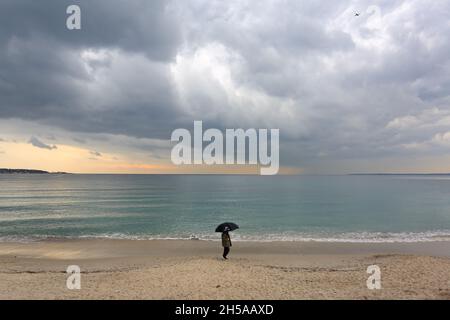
point(350, 237)
point(178, 269)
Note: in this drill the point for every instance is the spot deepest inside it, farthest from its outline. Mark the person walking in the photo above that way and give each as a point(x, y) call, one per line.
point(225, 228)
point(226, 243)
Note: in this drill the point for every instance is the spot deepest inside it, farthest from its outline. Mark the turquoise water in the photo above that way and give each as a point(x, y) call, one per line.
point(342, 208)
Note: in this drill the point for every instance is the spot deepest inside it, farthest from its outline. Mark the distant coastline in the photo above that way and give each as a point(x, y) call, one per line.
point(27, 171)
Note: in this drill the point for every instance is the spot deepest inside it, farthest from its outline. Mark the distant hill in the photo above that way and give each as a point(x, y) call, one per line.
point(27, 171)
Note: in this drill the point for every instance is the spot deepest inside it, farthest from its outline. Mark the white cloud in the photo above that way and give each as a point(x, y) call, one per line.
point(403, 122)
point(442, 138)
point(431, 117)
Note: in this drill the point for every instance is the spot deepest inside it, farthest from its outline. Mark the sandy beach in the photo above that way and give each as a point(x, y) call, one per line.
point(172, 269)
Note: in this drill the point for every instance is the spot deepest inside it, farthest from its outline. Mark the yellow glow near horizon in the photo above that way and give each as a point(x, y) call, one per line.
point(66, 158)
point(80, 160)
point(74, 159)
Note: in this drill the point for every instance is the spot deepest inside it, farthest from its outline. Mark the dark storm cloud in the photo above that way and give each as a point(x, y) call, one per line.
point(45, 77)
point(331, 82)
point(39, 144)
point(136, 25)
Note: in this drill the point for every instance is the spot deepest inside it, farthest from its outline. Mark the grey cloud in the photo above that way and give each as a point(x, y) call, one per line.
point(39, 144)
point(342, 91)
point(51, 137)
point(95, 153)
point(46, 78)
point(79, 140)
point(330, 81)
point(136, 25)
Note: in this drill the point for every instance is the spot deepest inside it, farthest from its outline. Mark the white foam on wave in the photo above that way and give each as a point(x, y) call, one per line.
point(350, 237)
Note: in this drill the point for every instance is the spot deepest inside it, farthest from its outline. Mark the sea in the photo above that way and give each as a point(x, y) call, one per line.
point(343, 208)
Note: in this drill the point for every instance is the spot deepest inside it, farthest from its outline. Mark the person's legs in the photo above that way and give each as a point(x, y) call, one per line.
point(226, 250)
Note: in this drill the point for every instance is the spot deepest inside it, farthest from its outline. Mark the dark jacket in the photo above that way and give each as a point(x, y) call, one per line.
point(226, 241)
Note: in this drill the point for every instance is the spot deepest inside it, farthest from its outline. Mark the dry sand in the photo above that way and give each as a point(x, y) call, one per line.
point(169, 269)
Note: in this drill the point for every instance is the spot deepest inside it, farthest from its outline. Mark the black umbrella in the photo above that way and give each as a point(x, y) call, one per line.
point(227, 226)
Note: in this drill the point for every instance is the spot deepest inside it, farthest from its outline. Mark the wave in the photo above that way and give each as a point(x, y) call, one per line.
point(347, 237)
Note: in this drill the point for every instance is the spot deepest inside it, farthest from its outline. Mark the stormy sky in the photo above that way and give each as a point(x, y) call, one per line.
point(349, 93)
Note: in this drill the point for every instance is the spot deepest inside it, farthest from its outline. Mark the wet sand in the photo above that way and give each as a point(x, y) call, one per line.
point(175, 269)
